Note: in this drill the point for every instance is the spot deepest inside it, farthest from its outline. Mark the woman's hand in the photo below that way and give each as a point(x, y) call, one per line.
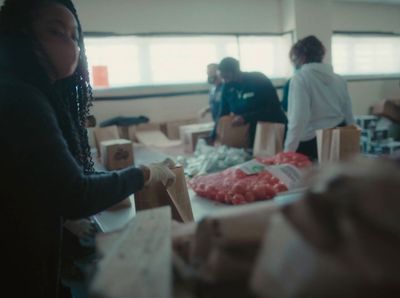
point(159, 172)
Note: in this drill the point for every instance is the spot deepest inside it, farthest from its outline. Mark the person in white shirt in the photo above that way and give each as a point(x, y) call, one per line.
point(318, 98)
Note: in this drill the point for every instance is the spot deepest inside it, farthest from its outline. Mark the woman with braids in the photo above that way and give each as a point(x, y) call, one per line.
point(47, 173)
point(318, 98)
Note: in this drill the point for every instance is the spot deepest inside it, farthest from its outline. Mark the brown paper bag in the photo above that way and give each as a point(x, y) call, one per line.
point(231, 136)
point(324, 141)
point(289, 266)
point(104, 134)
point(180, 195)
point(339, 241)
point(177, 197)
point(337, 144)
point(269, 139)
point(345, 143)
point(229, 240)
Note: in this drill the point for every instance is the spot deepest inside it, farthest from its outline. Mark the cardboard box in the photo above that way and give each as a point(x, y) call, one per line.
point(117, 154)
point(104, 134)
point(131, 132)
point(190, 134)
point(389, 108)
point(155, 138)
point(338, 144)
point(171, 128)
point(269, 139)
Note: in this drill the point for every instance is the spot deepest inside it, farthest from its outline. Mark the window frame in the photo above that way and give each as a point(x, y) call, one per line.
point(366, 77)
point(176, 89)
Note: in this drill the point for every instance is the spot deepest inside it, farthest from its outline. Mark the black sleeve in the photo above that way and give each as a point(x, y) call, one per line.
point(259, 105)
point(266, 104)
point(46, 164)
point(225, 109)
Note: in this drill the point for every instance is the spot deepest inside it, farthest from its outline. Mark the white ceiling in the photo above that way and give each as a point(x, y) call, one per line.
point(395, 2)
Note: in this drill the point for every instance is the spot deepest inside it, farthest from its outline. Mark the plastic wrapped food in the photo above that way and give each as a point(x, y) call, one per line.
point(208, 159)
point(258, 179)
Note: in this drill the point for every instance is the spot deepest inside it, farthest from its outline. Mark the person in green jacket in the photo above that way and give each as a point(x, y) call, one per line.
point(250, 96)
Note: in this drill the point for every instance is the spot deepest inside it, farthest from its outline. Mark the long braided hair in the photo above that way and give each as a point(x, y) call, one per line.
point(70, 98)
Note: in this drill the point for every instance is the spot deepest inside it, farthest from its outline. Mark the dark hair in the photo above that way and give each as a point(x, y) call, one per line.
point(229, 64)
point(310, 48)
point(70, 98)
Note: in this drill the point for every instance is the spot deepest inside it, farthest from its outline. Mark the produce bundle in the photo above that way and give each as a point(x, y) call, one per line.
point(255, 180)
point(209, 159)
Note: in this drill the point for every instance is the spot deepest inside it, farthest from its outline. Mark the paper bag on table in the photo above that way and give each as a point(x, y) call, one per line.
point(269, 139)
point(345, 142)
point(337, 144)
point(324, 141)
point(226, 242)
point(232, 136)
point(177, 197)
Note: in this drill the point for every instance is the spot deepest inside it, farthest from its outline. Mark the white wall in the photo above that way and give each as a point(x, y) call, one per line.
point(366, 17)
point(158, 109)
point(314, 17)
point(365, 93)
point(144, 16)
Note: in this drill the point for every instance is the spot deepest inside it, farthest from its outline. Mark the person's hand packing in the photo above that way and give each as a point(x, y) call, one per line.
point(82, 228)
point(160, 172)
point(238, 121)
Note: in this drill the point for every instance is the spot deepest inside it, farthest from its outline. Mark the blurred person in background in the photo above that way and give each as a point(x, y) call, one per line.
point(250, 96)
point(318, 98)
